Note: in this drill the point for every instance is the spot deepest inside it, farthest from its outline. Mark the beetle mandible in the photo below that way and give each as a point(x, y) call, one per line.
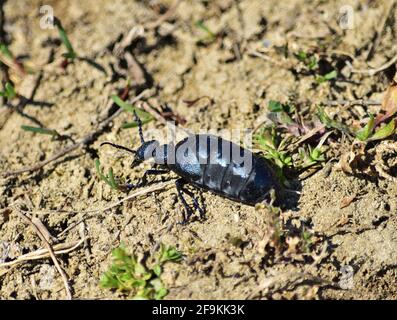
point(211, 163)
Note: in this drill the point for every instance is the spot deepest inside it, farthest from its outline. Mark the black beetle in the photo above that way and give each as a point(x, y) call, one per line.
point(211, 163)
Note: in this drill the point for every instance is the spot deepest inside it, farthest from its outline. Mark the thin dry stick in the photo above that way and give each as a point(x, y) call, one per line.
point(167, 15)
point(136, 194)
point(145, 106)
point(50, 250)
point(380, 28)
point(85, 141)
point(135, 32)
point(262, 56)
point(60, 248)
point(357, 102)
point(135, 68)
point(372, 72)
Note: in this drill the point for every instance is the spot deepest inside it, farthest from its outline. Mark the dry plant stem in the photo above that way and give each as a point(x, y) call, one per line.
point(60, 248)
point(358, 102)
point(262, 56)
point(136, 70)
point(379, 30)
point(50, 250)
point(136, 194)
point(372, 72)
point(167, 15)
point(85, 141)
point(145, 106)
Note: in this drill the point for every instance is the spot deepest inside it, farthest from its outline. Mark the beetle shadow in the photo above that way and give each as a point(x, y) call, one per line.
point(289, 198)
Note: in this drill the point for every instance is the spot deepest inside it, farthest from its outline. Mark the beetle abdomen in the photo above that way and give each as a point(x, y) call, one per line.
point(223, 167)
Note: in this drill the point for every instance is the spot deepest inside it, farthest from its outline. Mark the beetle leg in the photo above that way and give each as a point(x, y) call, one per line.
point(195, 202)
point(188, 211)
point(143, 180)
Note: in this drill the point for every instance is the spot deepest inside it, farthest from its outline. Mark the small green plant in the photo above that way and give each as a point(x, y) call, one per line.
point(109, 179)
point(9, 91)
point(143, 115)
point(51, 132)
point(329, 123)
point(71, 54)
point(40, 130)
point(309, 60)
point(269, 142)
point(312, 156)
point(327, 77)
point(282, 112)
point(306, 240)
point(127, 274)
point(277, 106)
point(5, 51)
point(368, 133)
point(209, 35)
point(311, 63)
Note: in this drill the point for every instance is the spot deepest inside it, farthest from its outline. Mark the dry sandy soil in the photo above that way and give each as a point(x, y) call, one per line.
point(325, 251)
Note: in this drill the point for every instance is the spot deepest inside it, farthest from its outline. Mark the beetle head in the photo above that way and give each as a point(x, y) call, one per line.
point(146, 151)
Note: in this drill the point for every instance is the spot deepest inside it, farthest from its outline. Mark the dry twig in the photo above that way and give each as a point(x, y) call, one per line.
point(357, 102)
point(65, 280)
point(371, 72)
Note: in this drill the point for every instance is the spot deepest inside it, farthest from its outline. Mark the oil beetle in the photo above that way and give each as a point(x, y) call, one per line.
point(211, 163)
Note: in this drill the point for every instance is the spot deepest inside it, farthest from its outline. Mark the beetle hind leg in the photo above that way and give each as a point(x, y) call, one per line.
point(195, 202)
point(188, 211)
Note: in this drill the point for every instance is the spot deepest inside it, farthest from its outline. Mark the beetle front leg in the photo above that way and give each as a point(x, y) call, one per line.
point(143, 180)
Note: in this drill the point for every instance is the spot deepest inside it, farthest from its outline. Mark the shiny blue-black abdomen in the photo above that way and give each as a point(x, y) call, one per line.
point(224, 168)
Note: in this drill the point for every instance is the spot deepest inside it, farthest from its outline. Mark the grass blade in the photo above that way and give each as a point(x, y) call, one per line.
point(384, 132)
point(62, 34)
point(129, 108)
point(40, 130)
point(5, 51)
point(366, 132)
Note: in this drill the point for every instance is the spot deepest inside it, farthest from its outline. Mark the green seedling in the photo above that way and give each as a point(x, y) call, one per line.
point(368, 129)
point(313, 156)
point(166, 254)
point(368, 133)
point(309, 60)
point(9, 91)
point(71, 54)
point(128, 275)
point(109, 179)
point(329, 123)
point(384, 132)
point(276, 106)
point(9, 60)
point(268, 141)
point(209, 35)
point(306, 239)
point(40, 130)
point(5, 51)
point(143, 115)
point(281, 111)
point(51, 132)
point(327, 77)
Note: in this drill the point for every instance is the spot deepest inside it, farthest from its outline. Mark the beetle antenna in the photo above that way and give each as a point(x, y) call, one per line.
point(118, 146)
point(138, 120)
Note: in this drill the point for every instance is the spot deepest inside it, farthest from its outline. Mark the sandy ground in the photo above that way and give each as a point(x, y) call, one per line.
point(233, 253)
